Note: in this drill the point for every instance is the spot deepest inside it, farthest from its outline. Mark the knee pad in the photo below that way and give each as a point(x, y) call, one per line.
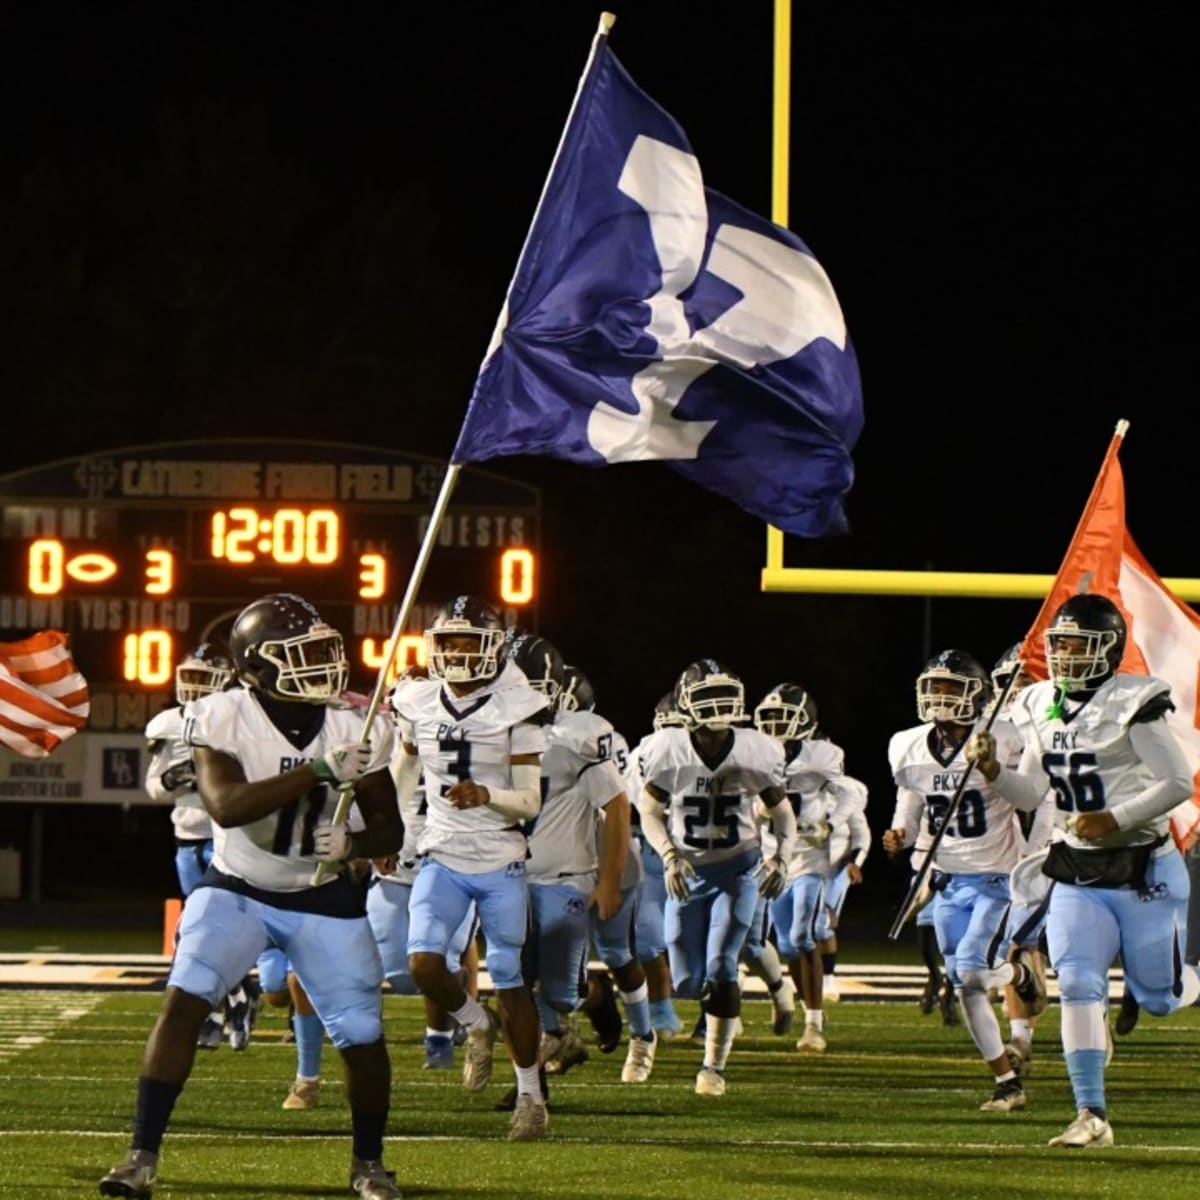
point(273, 971)
point(504, 965)
point(358, 1026)
point(1078, 984)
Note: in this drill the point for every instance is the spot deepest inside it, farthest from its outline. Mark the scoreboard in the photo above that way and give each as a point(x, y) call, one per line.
point(141, 554)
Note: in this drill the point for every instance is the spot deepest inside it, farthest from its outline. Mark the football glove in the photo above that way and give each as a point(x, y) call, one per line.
point(678, 874)
point(772, 878)
point(182, 775)
point(331, 843)
point(343, 764)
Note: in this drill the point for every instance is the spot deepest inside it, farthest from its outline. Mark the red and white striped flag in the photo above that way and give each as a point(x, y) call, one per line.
point(43, 697)
point(1164, 633)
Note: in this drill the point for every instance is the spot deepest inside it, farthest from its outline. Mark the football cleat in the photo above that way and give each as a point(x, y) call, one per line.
point(212, 1033)
point(241, 1015)
point(439, 1053)
point(1031, 987)
point(639, 1060)
point(948, 1004)
point(481, 1045)
point(529, 1120)
point(1008, 1096)
point(304, 1093)
point(1087, 1131)
point(929, 997)
point(1020, 1056)
point(135, 1177)
point(460, 1034)
point(371, 1180)
point(1127, 1018)
point(569, 1052)
point(783, 1001)
point(710, 1082)
point(830, 992)
point(812, 1041)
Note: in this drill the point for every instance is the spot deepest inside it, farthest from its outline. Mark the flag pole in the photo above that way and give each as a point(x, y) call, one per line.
point(607, 20)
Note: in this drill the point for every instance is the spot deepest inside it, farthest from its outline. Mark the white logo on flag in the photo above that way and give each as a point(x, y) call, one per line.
point(787, 302)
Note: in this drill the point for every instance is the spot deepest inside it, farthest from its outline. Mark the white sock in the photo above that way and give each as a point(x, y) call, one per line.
point(471, 1015)
point(718, 1041)
point(815, 1017)
point(528, 1083)
point(1020, 1028)
point(981, 1023)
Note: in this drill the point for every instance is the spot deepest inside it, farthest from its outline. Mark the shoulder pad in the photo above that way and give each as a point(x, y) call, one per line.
point(1154, 708)
point(165, 724)
point(585, 734)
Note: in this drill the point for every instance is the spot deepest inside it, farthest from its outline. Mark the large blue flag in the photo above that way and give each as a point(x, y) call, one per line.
point(653, 318)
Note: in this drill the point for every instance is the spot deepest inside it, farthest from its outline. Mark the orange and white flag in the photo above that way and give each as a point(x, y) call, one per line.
point(1164, 633)
point(43, 697)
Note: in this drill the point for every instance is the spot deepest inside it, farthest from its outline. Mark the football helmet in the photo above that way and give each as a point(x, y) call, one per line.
point(1097, 622)
point(710, 696)
point(282, 648)
point(577, 694)
point(541, 662)
point(1003, 671)
point(206, 670)
point(465, 617)
point(787, 712)
point(952, 687)
point(667, 715)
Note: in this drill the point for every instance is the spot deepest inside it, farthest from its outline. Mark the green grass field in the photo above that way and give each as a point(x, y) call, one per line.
point(889, 1111)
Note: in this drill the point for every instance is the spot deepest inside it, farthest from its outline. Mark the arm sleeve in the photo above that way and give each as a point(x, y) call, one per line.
point(783, 825)
point(1025, 787)
point(1156, 746)
point(523, 800)
point(654, 824)
point(909, 807)
point(860, 836)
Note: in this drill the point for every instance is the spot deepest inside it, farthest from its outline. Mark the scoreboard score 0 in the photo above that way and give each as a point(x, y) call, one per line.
point(143, 553)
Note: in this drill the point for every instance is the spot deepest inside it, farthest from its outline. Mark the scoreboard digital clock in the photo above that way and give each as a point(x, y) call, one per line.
point(140, 554)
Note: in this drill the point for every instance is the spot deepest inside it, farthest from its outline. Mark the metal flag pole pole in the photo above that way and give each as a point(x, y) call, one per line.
point(918, 884)
point(410, 594)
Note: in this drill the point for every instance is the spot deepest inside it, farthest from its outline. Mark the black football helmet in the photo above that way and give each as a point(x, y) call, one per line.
point(465, 616)
point(787, 712)
point(282, 648)
point(667, 715)
point(1097, 622)
point(953, 687)
point(577, 694)
point(206, 670)
point(541, 662)
point(710, 696)
point(1003, 671)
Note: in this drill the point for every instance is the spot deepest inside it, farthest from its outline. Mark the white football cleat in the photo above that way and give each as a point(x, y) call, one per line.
point(304, 1093)
point(639, 1061)
point(813, 1041)
point(1086, 1131)
point(710, 1082)
point(529, 1120)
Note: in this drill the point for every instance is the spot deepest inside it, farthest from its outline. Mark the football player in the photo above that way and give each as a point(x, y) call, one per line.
point(849, 845)
point(476, 729)
point(697, 809)
point(270, 757)
point(978, 850)
point(813, 784)
point(1102, 742)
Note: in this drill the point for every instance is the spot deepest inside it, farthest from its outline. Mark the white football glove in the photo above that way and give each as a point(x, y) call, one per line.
point(343, 764)
point(331, 843)
point(772, 878)
point(678, 874)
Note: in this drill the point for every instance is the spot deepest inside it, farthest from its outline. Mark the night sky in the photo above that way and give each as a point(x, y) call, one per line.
point(300, 221)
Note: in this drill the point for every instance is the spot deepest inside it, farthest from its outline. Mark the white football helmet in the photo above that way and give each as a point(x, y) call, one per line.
point(465, 617)
point(710, 696)
point(206, 670)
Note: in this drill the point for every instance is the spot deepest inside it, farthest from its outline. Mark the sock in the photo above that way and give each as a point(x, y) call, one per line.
point(1021, 1028)
point(1086, 1069)
point(829, 963)
point(441, 1034)
point(528, 1083)
point(310, 1035)
point(664, 1016)
point(718, 1041)
point(471, 1014)
point(1006, 1076)
point(815, 1017)
point(368, 1134)
point(156, 1098)
point(981, 1023)
point(637, 1011)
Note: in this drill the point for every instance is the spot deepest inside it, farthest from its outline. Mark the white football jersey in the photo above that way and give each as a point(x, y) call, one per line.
point(986, 835)
point(579, 777)
point(1088, 756)
point(275, 852)
point(808, 779)
point(475, 736)
point(710, 808)
point(164, 734)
